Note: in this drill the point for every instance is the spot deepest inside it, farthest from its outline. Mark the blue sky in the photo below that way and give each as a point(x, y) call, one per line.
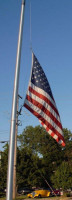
point(51, 22)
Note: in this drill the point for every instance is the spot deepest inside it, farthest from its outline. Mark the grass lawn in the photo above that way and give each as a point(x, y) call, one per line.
point(49, 198)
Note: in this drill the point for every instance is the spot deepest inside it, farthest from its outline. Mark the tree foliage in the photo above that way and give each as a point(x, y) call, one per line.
point(40, 160)
point(63, 176)
point(48, 152)
point(3, 168)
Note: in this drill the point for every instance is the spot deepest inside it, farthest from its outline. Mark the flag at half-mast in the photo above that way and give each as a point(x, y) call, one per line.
point(40, 102)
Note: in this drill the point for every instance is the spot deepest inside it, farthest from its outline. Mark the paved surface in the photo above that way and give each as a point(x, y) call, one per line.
point(51, 198)
point(59, 198)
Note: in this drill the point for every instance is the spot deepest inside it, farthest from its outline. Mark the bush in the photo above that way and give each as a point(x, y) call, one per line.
point(68, 194)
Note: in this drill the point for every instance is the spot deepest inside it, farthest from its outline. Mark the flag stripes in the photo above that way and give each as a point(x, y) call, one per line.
point(47, 100)
point(46, 112)
point(42, 120)
point(43, 103)
point(40, 102)
point(56, 137)
point(43, 117)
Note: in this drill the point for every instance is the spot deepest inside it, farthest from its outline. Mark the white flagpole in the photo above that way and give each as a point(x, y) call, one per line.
point(14, 110)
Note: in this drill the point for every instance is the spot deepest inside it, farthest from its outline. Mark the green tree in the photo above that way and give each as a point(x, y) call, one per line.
point(40, 158)
point(40, 142)
point(68, 148)
point(3, 168)
point(62, 177)
point(46, 150)
point(44, 147)
point(27, 169)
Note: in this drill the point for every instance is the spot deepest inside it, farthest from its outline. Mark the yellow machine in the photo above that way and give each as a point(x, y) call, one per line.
point(39, 193)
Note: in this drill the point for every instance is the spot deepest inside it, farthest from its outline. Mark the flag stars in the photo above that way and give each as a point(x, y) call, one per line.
point(37, 66)
point(39, 77)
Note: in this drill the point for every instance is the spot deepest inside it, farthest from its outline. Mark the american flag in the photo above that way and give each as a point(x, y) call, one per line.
point(40, 102)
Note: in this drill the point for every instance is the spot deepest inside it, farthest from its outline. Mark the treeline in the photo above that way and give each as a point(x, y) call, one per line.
point(40, 160)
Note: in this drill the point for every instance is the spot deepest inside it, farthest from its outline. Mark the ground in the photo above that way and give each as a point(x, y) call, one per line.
point(49, 198)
